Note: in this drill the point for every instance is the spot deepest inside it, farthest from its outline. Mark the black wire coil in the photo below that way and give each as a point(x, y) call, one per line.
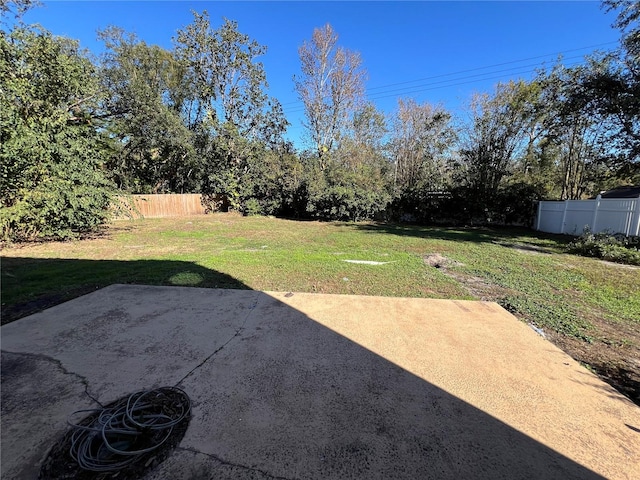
point(116, 436)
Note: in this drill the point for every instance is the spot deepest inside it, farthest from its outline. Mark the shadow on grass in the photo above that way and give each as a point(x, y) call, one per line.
point(462, 234)
point(283, 394)
point(625, 380)
point(30, 285)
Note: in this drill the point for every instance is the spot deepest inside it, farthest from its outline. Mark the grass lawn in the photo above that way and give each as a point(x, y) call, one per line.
point(588, 307)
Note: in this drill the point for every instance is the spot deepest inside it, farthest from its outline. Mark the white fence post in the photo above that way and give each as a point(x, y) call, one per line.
point(634, 227)
point(564, 216)
point(540, 215)
point(595, 213)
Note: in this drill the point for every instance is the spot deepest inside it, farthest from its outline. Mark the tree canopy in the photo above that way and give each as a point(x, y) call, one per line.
point(76, 132)
point(52, 153)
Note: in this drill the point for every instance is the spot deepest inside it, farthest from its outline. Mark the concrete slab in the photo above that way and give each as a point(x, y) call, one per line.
point(318, 386)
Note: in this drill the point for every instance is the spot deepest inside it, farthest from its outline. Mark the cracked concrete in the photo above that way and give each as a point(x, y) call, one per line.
point(301, 386)
point(10, 366)
point(37, 397)
point(217, 350)
point(230, 467)
point(190, 464)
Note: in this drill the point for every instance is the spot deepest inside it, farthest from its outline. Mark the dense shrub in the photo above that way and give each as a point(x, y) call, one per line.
point(340, 193)
point(53, 183)
point(512, 204)
point(615, 248)
point(516, 203)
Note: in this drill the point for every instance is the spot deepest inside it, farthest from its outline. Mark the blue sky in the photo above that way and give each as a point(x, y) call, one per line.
point(410, 49)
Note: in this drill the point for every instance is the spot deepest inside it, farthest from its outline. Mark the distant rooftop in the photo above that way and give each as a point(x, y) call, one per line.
point(629, 191)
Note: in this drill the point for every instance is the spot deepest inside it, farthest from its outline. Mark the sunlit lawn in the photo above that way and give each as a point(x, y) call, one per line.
point(527, 271)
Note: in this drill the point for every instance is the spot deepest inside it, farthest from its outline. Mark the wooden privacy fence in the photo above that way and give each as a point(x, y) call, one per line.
point(616, 215)
point(164, 205)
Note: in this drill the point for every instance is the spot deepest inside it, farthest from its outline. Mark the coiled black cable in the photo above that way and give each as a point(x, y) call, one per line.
point(114, 437)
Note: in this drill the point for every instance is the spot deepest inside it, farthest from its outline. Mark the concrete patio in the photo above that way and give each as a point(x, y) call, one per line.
point(307, 386)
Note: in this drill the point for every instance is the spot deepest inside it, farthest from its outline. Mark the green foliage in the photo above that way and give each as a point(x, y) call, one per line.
point(615, 248)
point(495, 137)
point(560, 318)
point(197, 118)
point(271, 183)
point(341, 193)
point(422, 141)
point(512, 204)
point(145, 88)
point(52, 180)
point(238, 127)
point(516, 203)
point(252, 207)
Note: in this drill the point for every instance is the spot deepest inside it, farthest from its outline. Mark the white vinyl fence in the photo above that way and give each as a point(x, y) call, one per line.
point(616, 215)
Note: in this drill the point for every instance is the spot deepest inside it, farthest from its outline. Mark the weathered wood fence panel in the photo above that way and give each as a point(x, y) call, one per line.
point(165, 205)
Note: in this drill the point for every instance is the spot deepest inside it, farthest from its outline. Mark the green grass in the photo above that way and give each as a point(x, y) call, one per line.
point(524, 271)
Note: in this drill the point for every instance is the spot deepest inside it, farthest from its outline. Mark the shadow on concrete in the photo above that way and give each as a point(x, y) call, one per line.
point(276, 394)
point(30, 285)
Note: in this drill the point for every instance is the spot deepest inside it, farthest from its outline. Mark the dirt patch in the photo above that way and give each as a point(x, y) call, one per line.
point(479, 287)
point(614, 361)
point(523, 248)
point(439, 261)
point(476, 286)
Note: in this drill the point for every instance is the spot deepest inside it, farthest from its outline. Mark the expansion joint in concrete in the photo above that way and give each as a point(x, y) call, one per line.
point(215, 352)
point(235, 465)
point(60, 366)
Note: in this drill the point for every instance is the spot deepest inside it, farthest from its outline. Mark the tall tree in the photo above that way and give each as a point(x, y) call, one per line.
point(331, 87)
point(17, 8)
point(354, 184)
point(421, 144)
point(227, 106)
point(362, 142)
point(228, 82)
point(628, 22)
point(146, 90)
point(52, 180)
point(576, 130)
point(610, 87)
point(495, 137)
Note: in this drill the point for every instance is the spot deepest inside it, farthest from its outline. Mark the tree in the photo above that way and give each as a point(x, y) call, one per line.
point(610, 88)
point(577, 131)
point(627, 23)
point(52, 180)
point(16, 7)
point(226, 107)
point(145, 88)
point(354, 182)
point(495, 137)
point(421, 144)
point(331, 88)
